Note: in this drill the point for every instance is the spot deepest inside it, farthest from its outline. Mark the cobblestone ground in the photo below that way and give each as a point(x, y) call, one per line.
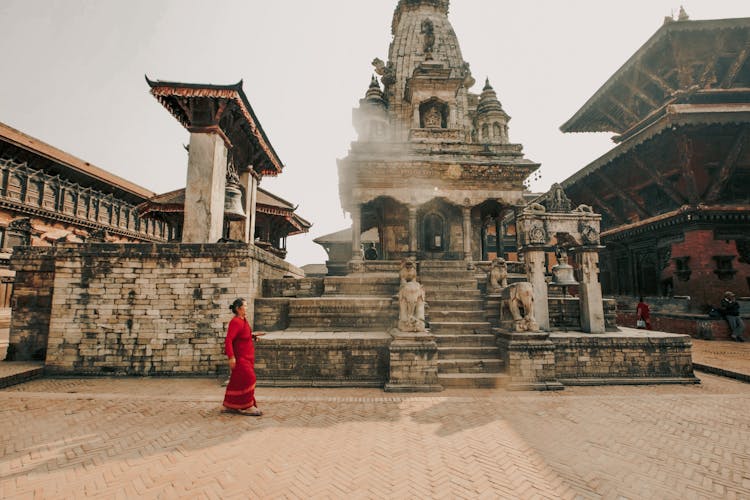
point(727, 355)
point(121, 438)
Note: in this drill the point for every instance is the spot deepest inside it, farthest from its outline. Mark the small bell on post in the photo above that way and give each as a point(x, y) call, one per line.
point(233, 202)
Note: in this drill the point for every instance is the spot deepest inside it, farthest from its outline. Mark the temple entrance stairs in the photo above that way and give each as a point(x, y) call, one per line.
point(467, 354)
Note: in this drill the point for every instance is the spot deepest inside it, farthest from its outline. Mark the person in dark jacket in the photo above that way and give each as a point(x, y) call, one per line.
point(730, 308)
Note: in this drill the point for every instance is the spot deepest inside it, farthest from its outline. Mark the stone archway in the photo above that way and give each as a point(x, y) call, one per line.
point(493, 241)
point(439, 231)
point(391, 218)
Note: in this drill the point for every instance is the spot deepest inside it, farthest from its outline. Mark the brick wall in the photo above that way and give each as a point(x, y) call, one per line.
point(704, 286)
point(140, 309)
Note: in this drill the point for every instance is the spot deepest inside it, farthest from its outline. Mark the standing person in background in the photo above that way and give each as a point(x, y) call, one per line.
point(730, 308)
point(643, 315)
point(240, 394)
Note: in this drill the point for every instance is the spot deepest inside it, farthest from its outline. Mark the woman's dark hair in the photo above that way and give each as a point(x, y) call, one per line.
point(237, 304)
point(640, 299)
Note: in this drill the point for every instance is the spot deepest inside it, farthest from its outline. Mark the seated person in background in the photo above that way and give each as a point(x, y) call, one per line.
point(730, 308)
point(371, 253)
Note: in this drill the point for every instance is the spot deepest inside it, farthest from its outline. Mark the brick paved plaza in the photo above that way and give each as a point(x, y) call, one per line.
point(122, 438)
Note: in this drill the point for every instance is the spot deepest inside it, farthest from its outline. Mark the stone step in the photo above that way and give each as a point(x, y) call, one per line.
point(468, 352)
point(471, 365)
point(351, 313)
point(368, 284)
point(473, 380)
point(431, 295)
point(467, 340)
point(460, 327)
point(457, 304)
point(442, 264)
point(429, 284)
point(448, 275)
point(434, 314)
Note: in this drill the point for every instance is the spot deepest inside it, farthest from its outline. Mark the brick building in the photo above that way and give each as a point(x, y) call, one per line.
point(675, 191)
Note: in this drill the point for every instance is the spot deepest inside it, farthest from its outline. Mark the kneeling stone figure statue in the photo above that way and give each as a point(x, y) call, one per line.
point(411, 300)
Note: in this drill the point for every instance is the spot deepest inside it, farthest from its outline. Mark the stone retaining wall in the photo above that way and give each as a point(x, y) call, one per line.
point(622, 357)
point(138, 309)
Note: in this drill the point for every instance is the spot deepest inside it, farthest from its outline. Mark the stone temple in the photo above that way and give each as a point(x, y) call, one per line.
point(433, 302)
point(433, 163)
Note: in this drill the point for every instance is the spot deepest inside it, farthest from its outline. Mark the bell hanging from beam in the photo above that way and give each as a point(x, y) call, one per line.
point(233, 202)
point(562, 273)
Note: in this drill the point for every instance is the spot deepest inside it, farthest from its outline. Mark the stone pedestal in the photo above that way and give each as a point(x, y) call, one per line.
point(204, 192)
point(529, 361)
point(590, 290)
point(413, 363)
point(535, 272)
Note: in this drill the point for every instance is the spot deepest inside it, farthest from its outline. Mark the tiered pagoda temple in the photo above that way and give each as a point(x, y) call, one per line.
point(433, 168)
point(674, 193)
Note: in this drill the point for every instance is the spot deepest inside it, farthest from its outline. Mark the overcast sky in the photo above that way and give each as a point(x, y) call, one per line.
point(73, 76)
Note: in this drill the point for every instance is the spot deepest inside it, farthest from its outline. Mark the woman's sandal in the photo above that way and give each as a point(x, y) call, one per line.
point(251, 412)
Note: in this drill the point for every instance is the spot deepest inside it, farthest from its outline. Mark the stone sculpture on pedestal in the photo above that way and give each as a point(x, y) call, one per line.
point(411, 300)
point(497, 278)
point(518, 297)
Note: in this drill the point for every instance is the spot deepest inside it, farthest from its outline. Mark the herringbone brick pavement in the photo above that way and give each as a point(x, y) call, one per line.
point(166, 438)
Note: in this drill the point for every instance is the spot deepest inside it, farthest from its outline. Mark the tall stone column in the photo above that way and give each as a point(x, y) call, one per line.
point(499, 243)
point(535, 272)
point(204, 193)
point(412, 231)
point(467, 233)
point(590, 291)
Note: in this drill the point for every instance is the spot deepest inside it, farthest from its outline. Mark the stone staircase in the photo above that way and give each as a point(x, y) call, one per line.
point(467, 354)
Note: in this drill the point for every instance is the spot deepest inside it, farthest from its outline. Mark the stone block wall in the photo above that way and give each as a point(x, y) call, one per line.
point(582, 358)
point(323, 359)
point(140, 309)
point(31, 303)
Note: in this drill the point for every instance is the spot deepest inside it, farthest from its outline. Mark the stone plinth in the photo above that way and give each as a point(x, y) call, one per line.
point(322, 359)
point(626, 357)
point(414, 363)
point(529, 361)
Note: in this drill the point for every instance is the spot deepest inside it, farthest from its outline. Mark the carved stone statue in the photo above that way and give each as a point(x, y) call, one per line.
point(428, 30)
point(432, 118)
point(498, 276)
point(411, 299)
point(557, 200)
point(519, 297)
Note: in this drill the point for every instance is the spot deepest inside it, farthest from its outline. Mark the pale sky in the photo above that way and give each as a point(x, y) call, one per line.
point(73, 76)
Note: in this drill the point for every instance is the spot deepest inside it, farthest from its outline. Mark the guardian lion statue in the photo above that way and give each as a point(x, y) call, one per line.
point(520, 296)
point(497, 278)
point(411, 299)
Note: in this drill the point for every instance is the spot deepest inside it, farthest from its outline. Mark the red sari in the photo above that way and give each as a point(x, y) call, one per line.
point(240, 394)
point(643, 312)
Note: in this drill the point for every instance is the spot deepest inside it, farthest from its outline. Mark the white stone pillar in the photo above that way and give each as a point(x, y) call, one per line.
point(590, 291)
point(204, 192)
point(467, 233)
point(412, 231)
point(535, 273)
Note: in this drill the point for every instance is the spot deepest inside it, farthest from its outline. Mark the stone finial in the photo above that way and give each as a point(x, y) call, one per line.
point(487, 85)
point(683, 16)
point(374, 83)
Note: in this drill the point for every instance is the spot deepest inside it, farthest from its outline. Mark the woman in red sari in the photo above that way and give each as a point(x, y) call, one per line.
point(240, 394)
point(643, 314)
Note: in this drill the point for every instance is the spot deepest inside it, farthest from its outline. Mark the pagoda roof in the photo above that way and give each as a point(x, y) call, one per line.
point(42, 156)
point(265, 203)
point(345, 236)
point(174, 95)
point(680, 59)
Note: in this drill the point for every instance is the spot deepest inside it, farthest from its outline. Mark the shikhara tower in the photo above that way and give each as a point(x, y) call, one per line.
point(433, 168)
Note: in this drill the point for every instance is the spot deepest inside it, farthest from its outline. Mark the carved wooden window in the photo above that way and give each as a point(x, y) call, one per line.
point(682, 268)
point(15, 187)
point(50, 198)
point(434, 232)
point(35, 192)
point(83, 206)
point(724, 269)
point(69, 202)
